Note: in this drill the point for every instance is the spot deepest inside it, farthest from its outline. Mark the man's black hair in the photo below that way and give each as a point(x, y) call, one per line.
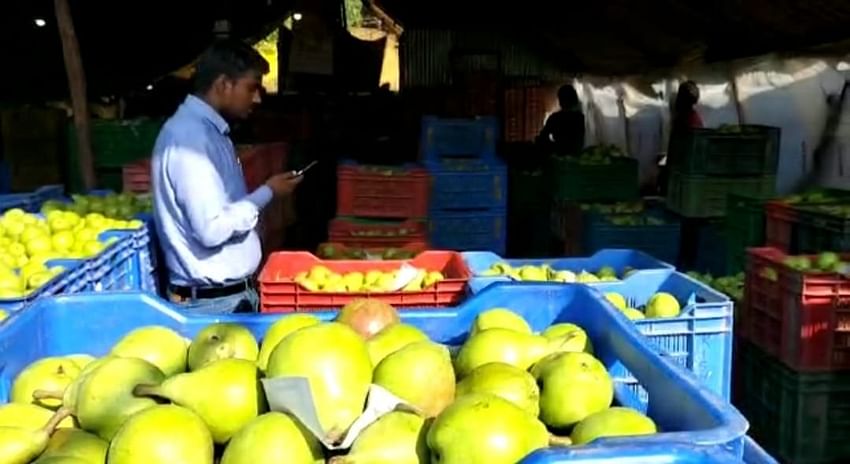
point(230, 58)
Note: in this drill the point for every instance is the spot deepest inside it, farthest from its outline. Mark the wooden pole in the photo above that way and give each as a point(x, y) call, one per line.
point(77, 85)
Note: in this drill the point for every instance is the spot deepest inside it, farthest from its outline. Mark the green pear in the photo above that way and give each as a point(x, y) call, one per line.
point(21, 446)
point(391, 339)
point(221, 341)
point(81, 360)
point(162, 434)
point(48, 374)
point(421, 374)
point(466, 431)
point(274, 437)
point(617, 300)
point(279, 330)
point(505, 381)
point(566, 336)
point(572, 387)
point(395, 438)
point(662, 305)
point(499, 318)
point(28, 416)
point(226, 394)
point(78, 444)
point(335, 360)
point(612, 422)
point(633, 314)
point(63, 460)
point(500, 345)
point(160, 346)
point(104, 399)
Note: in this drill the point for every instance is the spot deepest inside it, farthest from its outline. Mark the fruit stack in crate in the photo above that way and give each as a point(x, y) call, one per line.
point(381, 210)
point(469, 184)
point(793, 380)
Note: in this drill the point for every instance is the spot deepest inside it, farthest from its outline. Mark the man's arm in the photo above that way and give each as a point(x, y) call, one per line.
point(201, 194)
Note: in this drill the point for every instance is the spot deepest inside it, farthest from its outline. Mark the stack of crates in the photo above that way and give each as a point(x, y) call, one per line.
point(469, 184)
point(793, 374)
point(380, 209)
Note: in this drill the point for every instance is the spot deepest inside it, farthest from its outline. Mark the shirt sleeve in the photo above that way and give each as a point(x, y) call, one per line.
point(200, 193)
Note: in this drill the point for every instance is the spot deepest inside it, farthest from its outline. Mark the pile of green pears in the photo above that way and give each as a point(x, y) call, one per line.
point(659, 306)
point(158, 398)
point(545, 273)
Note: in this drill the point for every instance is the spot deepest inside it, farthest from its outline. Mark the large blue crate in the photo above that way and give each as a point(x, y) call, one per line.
point(699, 339)
point(73, 279)
point(468, 230)
point(484, 188)
point(619, 259)
point(636, 454)
point(659, 240)
point(686, 411)
point(463, 138)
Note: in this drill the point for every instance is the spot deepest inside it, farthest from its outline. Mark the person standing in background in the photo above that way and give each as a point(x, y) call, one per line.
point(685, 118)
point(205, 218)
point(563, 132)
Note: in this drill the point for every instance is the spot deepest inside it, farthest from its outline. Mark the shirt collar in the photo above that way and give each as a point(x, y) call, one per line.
point(202, 109)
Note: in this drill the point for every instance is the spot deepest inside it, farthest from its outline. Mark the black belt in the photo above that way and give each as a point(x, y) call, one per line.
point(209, 292)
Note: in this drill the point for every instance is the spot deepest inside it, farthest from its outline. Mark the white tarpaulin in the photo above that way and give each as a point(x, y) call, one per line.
point(790, 94)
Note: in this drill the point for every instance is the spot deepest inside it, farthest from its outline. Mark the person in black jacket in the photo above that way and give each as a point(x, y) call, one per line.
point(563, 132)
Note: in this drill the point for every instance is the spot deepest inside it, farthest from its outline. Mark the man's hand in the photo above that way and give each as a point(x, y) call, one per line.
point(284, 184)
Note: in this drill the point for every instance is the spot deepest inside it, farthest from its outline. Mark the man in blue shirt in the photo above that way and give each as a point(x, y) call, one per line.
point(205, 218)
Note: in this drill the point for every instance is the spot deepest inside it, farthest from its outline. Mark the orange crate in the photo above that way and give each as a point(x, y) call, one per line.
point(802, 318)
point(367, 233)
point(342, 251)
point(382, 191)
point(280, 294)
point(136, 177)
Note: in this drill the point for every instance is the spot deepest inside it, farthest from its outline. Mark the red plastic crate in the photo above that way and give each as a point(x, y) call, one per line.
point(780, 220)
point(376, 234)
point(136, 176)
point(801, 318)
point(280, 294)
point(382, 191)
point(342, 251)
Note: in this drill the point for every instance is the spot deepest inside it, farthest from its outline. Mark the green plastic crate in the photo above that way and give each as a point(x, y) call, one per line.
point(571, 180)
point(744, 228)
point(824, 228)
point(751, 151)
point(799, 418)
point(707, 196)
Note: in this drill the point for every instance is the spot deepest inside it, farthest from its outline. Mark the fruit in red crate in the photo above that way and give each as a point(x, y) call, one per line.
point(828, 261)
point(225, 394)
point(466, 430)
point(572, 387)
point(500, 345)
point(499, 318)
point(162, 434)
point(395, 438)
point(221, 341)
point(433, 278)
point(799, 263)
point(420, 373)
point(612, 422)
point(76, 444)
point(662, 305)
point(335, 361)
point(279, 330)
point(160, 346)
point(368, 316)
point(391, 339)
point(505, 381)
point(274, 437)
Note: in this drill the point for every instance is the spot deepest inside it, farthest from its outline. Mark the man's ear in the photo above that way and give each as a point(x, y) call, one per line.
point(220, 84)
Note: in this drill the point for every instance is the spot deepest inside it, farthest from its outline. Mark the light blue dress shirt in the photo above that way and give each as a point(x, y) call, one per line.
point(205, 219)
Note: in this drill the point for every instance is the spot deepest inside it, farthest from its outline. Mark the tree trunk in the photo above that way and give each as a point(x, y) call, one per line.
point(77, 85)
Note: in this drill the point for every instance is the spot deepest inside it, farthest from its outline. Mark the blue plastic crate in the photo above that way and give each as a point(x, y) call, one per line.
point(468, 230)
point(49, 192)
point(686, 411)
point(711, 253)
point(480, 189)
point(25, 201)
point(620, 260)
point(117, 267)
point(462, 138)
point(635, 454)
point(73, 279)
point(659, 240)
point(699, 339)
point(755, 454)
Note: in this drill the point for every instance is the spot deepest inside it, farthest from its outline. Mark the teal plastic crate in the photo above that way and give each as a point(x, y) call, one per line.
point(707, 196)
point(569, 179)
point(750, 151)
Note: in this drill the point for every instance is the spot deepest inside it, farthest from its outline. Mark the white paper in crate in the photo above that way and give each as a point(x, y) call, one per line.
point(293, 395)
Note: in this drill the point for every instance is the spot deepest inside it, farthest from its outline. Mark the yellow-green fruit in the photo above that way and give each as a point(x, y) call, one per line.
point(274, 437)
point(76, 443)
point(505, 381)
point(612, 422)
point(279, 330)
point(160, 346)
point(160, 435)
point(617, 300)
point(500, 318)
point(421, 374)
point(47, 374)
point(391, 339)
point(28, 416)
point(395, 438)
